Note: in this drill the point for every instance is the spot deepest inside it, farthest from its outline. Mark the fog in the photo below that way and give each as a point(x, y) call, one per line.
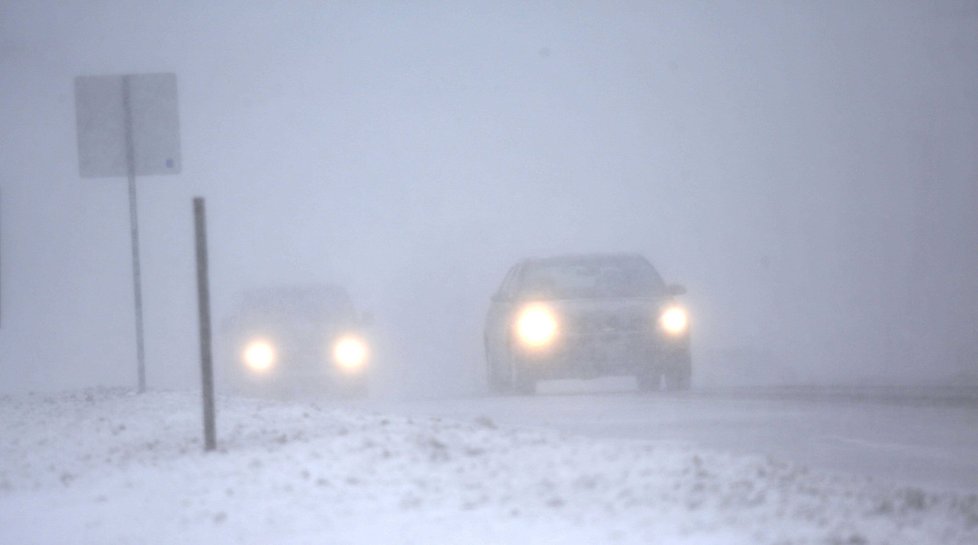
point(808, 171)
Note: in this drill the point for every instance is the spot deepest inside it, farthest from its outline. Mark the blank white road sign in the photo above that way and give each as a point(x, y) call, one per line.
point(153, 122)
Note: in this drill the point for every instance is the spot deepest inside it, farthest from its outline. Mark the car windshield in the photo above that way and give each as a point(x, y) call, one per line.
point(594, 277)
point(317, 303)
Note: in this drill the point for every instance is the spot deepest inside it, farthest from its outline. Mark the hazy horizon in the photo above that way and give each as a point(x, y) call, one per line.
point(808, 171)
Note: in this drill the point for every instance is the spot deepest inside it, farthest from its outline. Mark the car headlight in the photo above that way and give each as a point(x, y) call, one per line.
point(536, 326)
point(674, 320)
point(350, 352)
point(259, 355)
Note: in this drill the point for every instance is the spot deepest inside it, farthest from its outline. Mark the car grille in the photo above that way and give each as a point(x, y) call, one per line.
point(622, 321)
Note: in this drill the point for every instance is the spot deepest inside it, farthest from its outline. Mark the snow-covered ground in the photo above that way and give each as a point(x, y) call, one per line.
point(914, 436)
point(108, 466)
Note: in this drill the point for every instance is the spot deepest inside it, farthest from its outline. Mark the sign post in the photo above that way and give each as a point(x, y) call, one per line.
point(1, 260)
point(204, 309)
point(134, 232)
point(128, 126)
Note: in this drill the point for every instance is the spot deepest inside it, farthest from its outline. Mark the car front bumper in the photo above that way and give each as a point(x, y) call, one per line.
point(594, 355)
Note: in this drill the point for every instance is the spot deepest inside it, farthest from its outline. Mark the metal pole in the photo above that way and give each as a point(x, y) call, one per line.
point(204, 310)
point(134, 228)
point(1, 260)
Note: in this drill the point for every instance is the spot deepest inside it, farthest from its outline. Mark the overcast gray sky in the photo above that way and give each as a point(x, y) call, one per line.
point(809, 170)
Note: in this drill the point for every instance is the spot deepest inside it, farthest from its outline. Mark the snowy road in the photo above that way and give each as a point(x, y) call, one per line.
point(919, 437)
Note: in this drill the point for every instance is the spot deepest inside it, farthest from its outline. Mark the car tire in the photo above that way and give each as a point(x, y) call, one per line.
point(496, 386)
point(520, 381)
point(677, 381)
point(497, 382)
point(678, 375)
point(648, 380)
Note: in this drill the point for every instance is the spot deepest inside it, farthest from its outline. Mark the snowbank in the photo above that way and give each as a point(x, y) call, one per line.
point(107, 466)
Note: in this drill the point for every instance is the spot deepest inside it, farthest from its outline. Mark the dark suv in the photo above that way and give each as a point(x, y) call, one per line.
point(584, 316)
point(295, 339)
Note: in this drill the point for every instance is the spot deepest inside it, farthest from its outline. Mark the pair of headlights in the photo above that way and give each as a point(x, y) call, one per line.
point(350, 353)
point(537, 325)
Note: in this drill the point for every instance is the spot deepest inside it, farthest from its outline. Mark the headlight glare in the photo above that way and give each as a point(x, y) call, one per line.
point(350, 352)
point(536, 326)
point(259, 355)
point(674, 320)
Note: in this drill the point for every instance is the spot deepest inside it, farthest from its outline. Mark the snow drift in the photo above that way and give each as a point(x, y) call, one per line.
point(109, 466)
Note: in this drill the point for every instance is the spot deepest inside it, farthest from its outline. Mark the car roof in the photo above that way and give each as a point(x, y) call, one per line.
point(572, 259)
point(317, 295)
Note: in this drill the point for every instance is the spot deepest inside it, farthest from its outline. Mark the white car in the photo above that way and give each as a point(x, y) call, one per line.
point(585, 316)
point(285, 340)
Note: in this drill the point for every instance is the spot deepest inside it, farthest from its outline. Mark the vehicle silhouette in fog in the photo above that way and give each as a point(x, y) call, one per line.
point(586, 316)
point(281, 341)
